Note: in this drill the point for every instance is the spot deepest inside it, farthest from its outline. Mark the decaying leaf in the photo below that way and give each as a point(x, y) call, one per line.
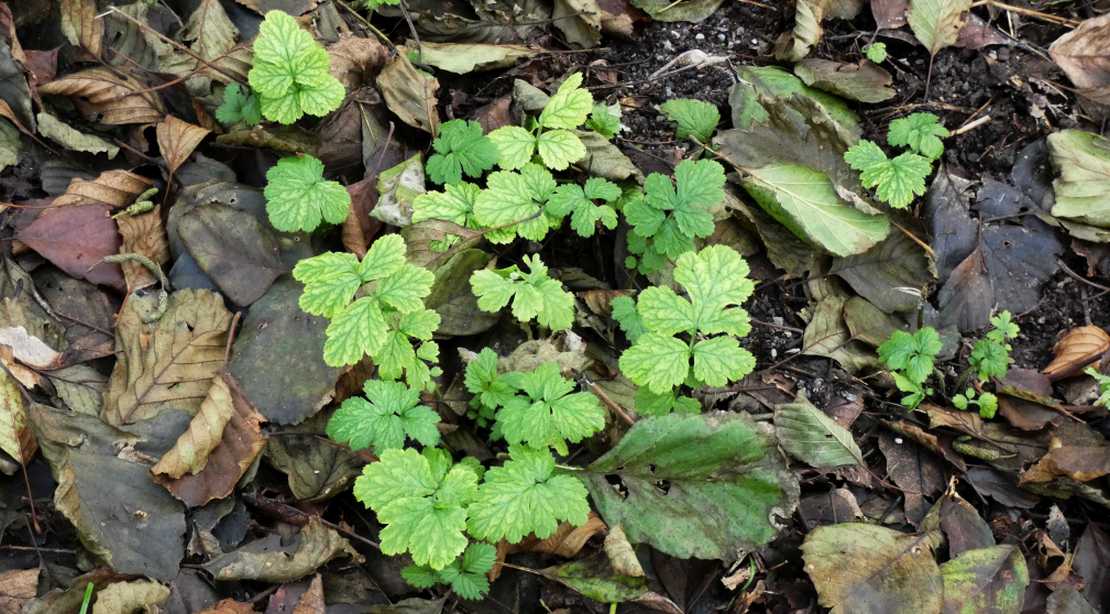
point(811, 436)
point(865, 82)
point(621, 555)
point(17, 587)
point(143, 234)
point(113, 188)
point(114, 98)
point(269, 559)
point(134, 596)
point(567, 541)
point(1078, 348)
point(726, 486)
point(317, 468)
point(692, 11)
point(16, 438)
point(228, 458)
point(410, 94)
point(77, 239)
point(81, 26)
point(595, 579)
point(464, 58)
point(989, 579)
point(868, 568)
point(28, 348)
point(168, 363)
point(1084, 56)
point(177, 139)
point(58, 131)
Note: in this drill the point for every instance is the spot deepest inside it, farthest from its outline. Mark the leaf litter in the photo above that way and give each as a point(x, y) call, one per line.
point(177, 431)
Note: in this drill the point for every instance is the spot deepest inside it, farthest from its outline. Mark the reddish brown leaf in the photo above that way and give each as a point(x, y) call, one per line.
point(116, 99)
point(177, 139)
point(359, 228)
point(241, 443)
point(76, 240)
point(1078, 348)
point(43, 65)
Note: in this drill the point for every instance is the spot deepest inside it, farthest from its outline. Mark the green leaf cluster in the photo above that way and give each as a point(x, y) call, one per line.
point(429, 505)
point(986, 402)
point(290, 72)
point(910, 358)
point(691, 340)
point(543, 410)
point(298, 197)
point(605, 120)
point(461, 148)
point(897, 181)
point(990, 357)
point(552, 135)
point(376, 308)
point(668, 216)
point(465, 575)
point(390, 413)
point(239, 107)
point(534, 295)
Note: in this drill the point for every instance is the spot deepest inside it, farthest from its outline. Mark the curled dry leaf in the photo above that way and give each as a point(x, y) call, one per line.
point(81, 26)
point(142, 234)
point(115, 188)
point(1078, 348)
point(410, 93)
point(621, 555)
point(567, 541)
point(177, 139)
point(115, 99)
point(1084, 56)
point(190, 453)
point(355, 60)
point(240, 442)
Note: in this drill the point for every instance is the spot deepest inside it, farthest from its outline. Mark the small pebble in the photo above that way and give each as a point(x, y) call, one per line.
point(699, 36)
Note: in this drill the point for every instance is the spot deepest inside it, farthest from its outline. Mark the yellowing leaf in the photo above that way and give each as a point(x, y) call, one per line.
point(937, 23)
point(81, 26)
point(16, 438)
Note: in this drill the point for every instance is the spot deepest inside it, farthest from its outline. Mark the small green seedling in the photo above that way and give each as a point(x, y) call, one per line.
point(986, 403)
point(910, 358)
point(990, 358)
point(534, 295)
point(290, 72)
point(460, 149)
point(876, 52)
point(694, 119)
point(466, 575)
point(298, 198)
point(552, 135)
point(239, 106)
point(605, 120)
point(390, 413)
point(897, 181)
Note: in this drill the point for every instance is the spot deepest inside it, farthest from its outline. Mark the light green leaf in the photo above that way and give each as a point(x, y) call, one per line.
point(238, 107)
point(298, 197)
point(550, 415)
point(1082, 162)
point(804, 201)
point(694, 118)
point(534, 294)
point(937, 23)
point(515, 146)
point(896, 181)
point(460, 148)
point(357, 330)
point(921, 132)
point(657, 361)
point(559, 148)
point(454, 204)
point(525, 496)
point(721, 360)
point(568, 107)
point(290, 73)
point(390, 412)
point(330, 279)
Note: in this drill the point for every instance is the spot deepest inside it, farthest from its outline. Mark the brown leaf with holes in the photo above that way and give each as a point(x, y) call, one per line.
point(241, 441)
point(189, 453)
point(116, 99)
point(177, 139)
point(115, 188)
point(168, 363)
point(143, 234)
point(76, 240)
point(1078, 348)
point(81, 26)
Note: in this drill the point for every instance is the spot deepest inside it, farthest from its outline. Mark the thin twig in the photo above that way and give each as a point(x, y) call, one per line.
point(1035, 14)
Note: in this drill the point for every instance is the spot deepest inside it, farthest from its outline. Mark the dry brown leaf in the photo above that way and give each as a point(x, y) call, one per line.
point(410, 94)
point(1080, 463)
point(29, 349)
point(240, 444)
point(356, 60)
point(622, 557)
point(230, 606)
point(115, 188)
point(189, 453)
point(81, 26)
point(177, 139)
point(17, 587)
point(567, 541)
point(117, 99)
point(359, 228)
point(1084, 56)
point(312, 601)
point(168, 363)
point(16, 438)
point(142, 234)
point(1078, 348)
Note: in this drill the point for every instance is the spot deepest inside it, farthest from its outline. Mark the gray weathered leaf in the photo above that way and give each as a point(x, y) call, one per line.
point(811, 436)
